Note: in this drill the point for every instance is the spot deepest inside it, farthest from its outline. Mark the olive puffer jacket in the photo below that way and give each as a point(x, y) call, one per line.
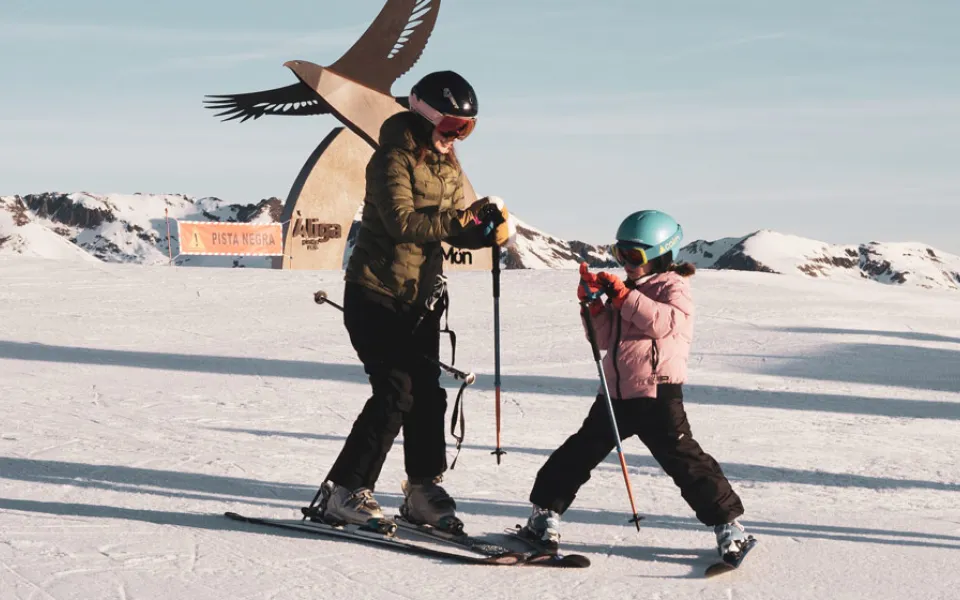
point(410, 207)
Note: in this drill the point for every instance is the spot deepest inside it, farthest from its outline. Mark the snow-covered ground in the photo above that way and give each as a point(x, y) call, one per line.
point(141, 402)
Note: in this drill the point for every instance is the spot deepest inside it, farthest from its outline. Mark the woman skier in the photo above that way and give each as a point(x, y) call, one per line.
point(646, 327)
point(394, 297)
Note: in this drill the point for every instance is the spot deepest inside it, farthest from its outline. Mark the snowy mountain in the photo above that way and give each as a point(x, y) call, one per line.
point(535, 249)
point(532, 249)
point(121, 228)
point(118, 228)
point(131, 228)
point(911, 263)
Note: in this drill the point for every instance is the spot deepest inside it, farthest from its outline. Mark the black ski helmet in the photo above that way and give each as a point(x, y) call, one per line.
point(446, 100)
point(447, 93)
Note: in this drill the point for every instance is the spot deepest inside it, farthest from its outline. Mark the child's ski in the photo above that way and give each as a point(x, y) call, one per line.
point(540, 557)
point(543, 550)
point(732, 560)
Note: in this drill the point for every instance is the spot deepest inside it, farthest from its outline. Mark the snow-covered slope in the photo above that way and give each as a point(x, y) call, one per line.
point(913, 264)
point(140, 404)
point(23, 234)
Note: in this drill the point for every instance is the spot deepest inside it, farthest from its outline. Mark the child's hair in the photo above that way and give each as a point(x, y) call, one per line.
point(664, 263)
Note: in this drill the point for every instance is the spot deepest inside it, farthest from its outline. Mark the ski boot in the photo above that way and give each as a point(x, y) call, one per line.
point(340, 506)
point(426, 503)
point(731, 538)
point(543, 528)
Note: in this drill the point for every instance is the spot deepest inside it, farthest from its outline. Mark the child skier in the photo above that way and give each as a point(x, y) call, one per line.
point(646, 327)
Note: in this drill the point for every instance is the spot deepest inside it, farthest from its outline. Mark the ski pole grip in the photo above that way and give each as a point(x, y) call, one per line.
point(591, 294)
point(496, 270)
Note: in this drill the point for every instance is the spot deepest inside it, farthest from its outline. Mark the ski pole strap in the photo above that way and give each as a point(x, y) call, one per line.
point(591, 332)
point(457, 417)
point(445, 303)
point(453, 344)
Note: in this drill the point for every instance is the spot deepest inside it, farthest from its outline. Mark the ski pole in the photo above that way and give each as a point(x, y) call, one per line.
point(496, 342)
point(468, 378)
point(592, 334)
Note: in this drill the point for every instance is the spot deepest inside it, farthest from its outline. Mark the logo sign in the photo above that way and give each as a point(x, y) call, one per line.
point(312, 232)
point(454, 256)
point(230, 239)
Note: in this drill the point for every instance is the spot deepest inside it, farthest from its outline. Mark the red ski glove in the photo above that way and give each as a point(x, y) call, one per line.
point(589, 287)
point(614, 287)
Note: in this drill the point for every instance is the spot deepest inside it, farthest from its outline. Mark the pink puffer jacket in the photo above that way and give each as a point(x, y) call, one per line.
point(648, 339)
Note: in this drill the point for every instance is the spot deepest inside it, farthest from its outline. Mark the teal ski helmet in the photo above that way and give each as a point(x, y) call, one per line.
point(646, 235)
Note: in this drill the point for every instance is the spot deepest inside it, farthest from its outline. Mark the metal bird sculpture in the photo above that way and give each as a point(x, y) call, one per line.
point(387, 50)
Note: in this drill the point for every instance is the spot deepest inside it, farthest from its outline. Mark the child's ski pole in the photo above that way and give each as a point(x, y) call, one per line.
point(592, 334)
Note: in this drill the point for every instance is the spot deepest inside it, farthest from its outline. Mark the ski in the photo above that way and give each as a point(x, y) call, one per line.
point(545, 553)
point(732, 560)
point(356, 533)
point(461, 540)
point(539, 556)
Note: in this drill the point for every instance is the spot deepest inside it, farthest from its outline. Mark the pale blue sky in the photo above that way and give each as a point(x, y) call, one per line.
point(832, 119)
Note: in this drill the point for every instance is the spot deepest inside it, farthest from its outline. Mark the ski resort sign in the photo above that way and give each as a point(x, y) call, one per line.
point(312, 233)
point(211, 238)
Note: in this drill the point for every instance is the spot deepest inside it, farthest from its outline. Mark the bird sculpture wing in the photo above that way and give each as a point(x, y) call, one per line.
point(297, 99)
point(391, 45)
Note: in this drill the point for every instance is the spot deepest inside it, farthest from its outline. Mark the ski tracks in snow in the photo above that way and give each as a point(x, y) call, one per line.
point(31, 584)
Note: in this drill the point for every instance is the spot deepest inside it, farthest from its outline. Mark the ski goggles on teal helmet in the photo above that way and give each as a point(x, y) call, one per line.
point(626, 253)
point(637, 254)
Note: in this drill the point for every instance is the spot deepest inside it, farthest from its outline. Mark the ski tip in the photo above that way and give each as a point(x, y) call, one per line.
point(234, 516)
point(576, 561)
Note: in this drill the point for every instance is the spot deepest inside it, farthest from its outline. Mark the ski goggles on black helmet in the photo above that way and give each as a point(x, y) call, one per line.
point(449, 126)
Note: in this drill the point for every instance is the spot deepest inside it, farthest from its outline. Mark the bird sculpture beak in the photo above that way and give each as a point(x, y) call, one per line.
point(308, 72)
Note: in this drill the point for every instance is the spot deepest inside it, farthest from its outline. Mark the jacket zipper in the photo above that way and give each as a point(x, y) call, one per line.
point(443, 189)
point(616, 351)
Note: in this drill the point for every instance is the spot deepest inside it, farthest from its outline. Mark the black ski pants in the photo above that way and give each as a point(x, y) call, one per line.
point(661, 424)
point(406, 389)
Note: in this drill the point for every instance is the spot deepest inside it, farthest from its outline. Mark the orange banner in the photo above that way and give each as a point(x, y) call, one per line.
point(230, 239)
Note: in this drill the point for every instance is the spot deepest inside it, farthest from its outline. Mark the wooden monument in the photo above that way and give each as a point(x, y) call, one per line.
point(356, 89)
